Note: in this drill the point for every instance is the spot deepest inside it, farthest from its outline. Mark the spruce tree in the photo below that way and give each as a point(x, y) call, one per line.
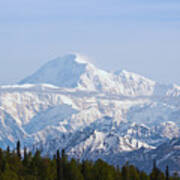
point(154, 165)
point(167, 173)
point(18, 149)
point(25, 160)
point(58, 165)
point(1, 160)
point(125, 172)
point(8, 149)
point(156, 173)
point(63, 154)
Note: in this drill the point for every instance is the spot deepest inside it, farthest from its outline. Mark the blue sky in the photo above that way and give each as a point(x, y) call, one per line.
point(140, 36)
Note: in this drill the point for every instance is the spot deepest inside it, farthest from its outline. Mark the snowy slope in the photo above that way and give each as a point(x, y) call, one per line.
point(73, 71)
point(71, 104)
point(165, 154)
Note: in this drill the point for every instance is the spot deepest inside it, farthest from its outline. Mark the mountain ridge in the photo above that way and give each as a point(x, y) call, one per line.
point(87, 111)
point(72, 71)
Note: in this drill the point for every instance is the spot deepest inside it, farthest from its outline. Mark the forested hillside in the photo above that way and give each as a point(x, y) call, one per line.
point(15, 166)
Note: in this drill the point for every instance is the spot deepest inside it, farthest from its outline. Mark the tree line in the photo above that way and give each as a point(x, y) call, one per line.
point(15, 165)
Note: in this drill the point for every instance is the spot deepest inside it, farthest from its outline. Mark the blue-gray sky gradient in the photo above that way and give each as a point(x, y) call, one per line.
point(136, 35)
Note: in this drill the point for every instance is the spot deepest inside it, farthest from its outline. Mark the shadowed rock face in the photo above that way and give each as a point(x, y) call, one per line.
point(168, 153)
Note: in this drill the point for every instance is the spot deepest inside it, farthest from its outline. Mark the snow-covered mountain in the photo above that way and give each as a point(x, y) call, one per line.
point(74, 71)
point(71, 104)
point(168, 153)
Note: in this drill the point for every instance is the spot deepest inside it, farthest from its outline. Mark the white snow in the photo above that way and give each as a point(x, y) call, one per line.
point(72, 104)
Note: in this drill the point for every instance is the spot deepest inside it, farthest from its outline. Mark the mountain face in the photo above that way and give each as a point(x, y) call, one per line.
point(166, 153)
point(72, 71)
point(64, 72)
point(91, 113)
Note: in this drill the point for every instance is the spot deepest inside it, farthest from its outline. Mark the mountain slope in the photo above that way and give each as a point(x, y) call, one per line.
point(165, 154)
point(71, 104)
point(59, 72)
point(72, 71)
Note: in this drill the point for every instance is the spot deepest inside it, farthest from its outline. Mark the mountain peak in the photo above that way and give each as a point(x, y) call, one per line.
point(76, 57)
point(74, 71)
point(79, 58)
point(63, 71)
point(72, 57)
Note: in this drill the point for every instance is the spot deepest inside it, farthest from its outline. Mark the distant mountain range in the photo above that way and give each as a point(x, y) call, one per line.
point(91, 113)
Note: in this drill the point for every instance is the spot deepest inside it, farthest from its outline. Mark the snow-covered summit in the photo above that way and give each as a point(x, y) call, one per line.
point(130, 76)
point(62, 71)
point(74, 71)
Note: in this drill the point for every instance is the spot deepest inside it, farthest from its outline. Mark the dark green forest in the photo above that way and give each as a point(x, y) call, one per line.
point(15, 165)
